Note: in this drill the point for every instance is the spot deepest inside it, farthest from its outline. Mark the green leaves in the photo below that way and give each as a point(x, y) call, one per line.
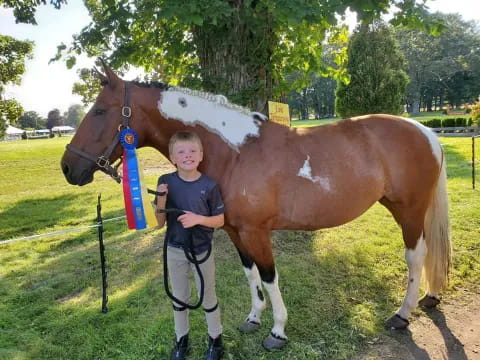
point(244, 49)
point(13, 54)
point(24, 10)
point(376, 70)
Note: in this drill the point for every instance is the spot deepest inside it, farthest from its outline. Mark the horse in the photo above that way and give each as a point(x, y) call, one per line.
point(275, 177)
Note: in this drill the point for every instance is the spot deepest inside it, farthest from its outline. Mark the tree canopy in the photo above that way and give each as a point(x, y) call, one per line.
point(24, 10)
point(377, 77)
point(442, 68)
point(31, 119)
point(13, 54)
point(245, 49)
point(54, 118)
point(74, 115)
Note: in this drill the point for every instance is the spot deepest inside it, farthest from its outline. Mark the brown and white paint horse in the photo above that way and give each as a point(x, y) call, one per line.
point(275, 177)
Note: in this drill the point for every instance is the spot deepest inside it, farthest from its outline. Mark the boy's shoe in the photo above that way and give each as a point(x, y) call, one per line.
point(180, 349)
point(215, 348)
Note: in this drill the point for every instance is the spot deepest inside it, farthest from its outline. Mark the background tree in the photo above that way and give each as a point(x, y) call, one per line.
point(24, 10)
point(13, 54)
point(54, 118)
point(244, 49)
point(74, 115)
point(441, 68)
point(31, 119)
point(88, 87)
point(376, 69)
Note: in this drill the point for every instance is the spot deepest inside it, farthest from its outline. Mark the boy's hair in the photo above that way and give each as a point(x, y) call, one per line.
point(184, 136)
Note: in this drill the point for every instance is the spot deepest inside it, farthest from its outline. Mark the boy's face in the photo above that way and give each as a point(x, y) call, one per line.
point(186, 155)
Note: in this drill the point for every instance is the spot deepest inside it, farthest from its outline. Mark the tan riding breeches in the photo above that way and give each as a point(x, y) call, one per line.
point(179, 270)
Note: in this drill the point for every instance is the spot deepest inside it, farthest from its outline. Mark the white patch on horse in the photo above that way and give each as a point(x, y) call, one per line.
point(233, 123)
point(306, 172)
point(415, 259)
point(432, 139)
point(279, 310)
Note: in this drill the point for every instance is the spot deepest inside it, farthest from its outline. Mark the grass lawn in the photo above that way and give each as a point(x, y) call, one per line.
point(339, 284)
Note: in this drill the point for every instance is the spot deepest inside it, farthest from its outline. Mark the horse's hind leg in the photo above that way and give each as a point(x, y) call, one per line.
point(415, 252)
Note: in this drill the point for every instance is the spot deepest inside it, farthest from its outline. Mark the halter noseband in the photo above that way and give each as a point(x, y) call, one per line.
point(102, 161)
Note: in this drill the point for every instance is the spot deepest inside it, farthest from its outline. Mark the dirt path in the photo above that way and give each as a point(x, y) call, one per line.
point(450, 332)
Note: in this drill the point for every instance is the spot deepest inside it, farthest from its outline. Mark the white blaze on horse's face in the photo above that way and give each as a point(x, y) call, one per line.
point(306, 172)
point(231, 122)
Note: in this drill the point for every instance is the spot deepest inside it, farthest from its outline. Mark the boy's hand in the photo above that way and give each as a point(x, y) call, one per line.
point(162, 188)
point(190, 219)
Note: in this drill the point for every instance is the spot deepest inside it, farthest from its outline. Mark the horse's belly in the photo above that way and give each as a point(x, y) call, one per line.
point(304, 210)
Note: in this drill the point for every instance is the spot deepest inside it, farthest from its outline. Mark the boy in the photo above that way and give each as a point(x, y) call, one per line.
point(199, 196)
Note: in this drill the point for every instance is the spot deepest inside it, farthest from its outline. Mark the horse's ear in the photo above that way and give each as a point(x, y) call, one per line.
point(112, 78)
point(103, 79)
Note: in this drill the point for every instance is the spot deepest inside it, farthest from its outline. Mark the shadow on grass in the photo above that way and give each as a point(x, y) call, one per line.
point(30, 216)
point(51, 306)
point(453, 346)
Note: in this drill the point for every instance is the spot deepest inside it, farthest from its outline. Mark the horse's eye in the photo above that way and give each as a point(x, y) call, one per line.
point(99, 111)
point(182, 102)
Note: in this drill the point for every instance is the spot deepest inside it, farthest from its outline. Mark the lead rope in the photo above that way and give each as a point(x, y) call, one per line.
point(189, 254)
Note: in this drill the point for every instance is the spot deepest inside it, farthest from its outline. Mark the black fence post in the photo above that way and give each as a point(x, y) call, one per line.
point(102, 256)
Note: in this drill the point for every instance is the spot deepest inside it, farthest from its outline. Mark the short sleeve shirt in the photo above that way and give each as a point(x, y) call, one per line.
point(202, 197)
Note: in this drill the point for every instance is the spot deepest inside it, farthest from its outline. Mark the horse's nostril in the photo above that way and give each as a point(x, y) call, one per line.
point(65, 169)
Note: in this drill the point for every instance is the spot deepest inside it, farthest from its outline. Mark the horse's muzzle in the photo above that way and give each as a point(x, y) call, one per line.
point(75, 175)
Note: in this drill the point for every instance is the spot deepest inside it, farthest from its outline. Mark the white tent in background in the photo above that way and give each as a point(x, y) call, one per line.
point(13, 133)
point(63, 129)
point(12, 130)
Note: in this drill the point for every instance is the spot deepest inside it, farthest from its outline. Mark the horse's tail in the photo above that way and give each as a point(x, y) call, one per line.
point(437, 236)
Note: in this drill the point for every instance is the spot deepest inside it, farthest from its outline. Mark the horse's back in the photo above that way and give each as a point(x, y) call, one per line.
point(325, 176)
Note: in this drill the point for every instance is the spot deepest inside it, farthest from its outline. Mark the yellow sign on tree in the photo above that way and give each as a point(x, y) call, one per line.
point(279, 113)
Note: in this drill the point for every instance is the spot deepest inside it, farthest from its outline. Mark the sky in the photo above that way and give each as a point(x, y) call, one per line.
point(47, 86)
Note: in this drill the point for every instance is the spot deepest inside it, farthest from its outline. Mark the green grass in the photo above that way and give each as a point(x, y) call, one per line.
point(339, 285)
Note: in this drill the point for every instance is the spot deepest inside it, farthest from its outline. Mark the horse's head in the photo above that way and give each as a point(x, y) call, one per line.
point(95, 144)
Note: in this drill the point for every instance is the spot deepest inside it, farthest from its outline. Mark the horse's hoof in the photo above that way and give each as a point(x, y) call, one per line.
point(397, 322)
point(429, 302)
point(274, 342)
point(249, 327)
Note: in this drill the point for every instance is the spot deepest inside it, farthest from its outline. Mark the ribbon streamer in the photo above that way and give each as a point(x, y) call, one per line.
point(138, 210)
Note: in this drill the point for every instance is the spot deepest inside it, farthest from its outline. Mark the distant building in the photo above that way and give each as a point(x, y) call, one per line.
point(13, 133)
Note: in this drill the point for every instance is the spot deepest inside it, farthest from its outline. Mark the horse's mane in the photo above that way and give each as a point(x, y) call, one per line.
point(151, 84)
point(219, 99)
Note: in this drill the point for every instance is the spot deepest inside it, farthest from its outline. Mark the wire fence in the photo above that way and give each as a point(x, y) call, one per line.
point(59, 232)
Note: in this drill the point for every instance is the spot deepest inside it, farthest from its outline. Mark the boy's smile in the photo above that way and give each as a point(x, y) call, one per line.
point(187, 155)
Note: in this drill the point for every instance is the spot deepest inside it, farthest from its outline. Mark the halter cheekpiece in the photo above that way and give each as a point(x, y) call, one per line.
point(125, 135)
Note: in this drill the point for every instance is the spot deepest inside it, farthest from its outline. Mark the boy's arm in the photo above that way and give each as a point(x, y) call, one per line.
point(161, 203)
point(190, 219)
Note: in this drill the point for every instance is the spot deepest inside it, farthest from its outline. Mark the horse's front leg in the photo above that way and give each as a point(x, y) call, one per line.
point(259, 303)
point(258, 246)
point(253, 320)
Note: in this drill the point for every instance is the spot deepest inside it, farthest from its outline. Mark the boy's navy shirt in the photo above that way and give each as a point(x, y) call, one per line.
point(202, 197)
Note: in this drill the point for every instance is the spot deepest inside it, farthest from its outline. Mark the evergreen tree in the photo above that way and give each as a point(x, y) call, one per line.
point(376, 69)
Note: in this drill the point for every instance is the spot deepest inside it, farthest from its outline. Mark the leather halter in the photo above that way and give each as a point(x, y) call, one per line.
point(103, 161)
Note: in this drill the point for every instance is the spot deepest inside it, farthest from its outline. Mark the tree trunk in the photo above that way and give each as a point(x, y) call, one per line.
point(233, 61)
